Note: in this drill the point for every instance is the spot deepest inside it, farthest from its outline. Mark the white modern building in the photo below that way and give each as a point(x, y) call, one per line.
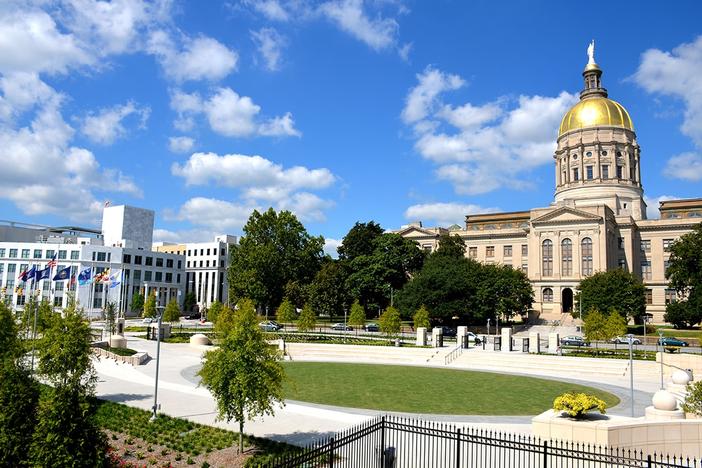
point(142, 271)
point(206, 266)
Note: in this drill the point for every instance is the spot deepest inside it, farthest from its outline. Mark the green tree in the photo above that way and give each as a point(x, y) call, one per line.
point(224, 323)
point(307, 319)
point(504, 290)
point(297, 293)
point(110, 317)
point(685, 276)
point(137, 304)
point(359, 240)
point(44, 314)
point(286, 312)
point(612, 290)
point(595, 326)
point(421, 318)
point(10, 346)
point(189, 302)
point(244, 374)
point(357, 317)
point(390, 321)
point(150, 306)
point(615, 325)
point(274, 250)
point(172, 312)
point(213, 312)
point(327, 293)
point(451, 245)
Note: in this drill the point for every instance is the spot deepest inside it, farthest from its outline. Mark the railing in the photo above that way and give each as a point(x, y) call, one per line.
point(391, 442)
point(450, 357)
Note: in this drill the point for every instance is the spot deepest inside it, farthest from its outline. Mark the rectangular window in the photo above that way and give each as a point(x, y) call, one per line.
point(221, 263)
point(649, 296)
point(490, 251)
point(169, 263)
point(202, 252)
point(605, 172)
point(149, 261)
point(525, 250)
point(472, 252)
point(147, 276)
point(137, 276)
point(101, 256)
point(201, 263)
point(670, 296)
point(646, 245)
point(620, 243)
point(667, 243)
point(159, 262)
point(189, 253)
point(507, 250)
point(126, 258)
point(646, 269)
point(75, 254)
point(576, 174)
point(11, 269)
point(588, 172)
point(2, 268)
point(13, 253)
point(159, 276)
point(223, 252)
point(37, 253)
point(525, 268)
point(208, 251)
point(58, 286)
point(620, 171)
point(62, 254)
point(666, 265)
point(187, 264)
point(169, 277)
point(547, 258)
point(25, 253)
point(180, 264)
point(58, 301)
point(2, 253)
point(621, 263)
point(207, 262)
point(50, 253)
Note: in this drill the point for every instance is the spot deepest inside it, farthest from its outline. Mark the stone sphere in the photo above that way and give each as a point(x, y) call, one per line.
point(680, 377)
point(664, 401)
point(199, 339)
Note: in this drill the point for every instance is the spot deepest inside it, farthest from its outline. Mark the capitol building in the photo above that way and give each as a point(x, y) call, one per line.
point(597, 220)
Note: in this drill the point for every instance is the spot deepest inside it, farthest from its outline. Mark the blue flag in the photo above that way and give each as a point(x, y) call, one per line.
point(43, 274)
point(84, 276)
point(63, 275)
point(28, 274)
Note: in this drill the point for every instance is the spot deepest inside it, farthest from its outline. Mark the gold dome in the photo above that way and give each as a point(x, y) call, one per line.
point(595, 112)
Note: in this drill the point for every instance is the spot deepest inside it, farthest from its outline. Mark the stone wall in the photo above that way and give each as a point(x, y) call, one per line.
point(135, 360)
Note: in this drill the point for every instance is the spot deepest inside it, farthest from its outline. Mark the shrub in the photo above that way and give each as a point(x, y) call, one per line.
point(578, 404)
point(693, 399)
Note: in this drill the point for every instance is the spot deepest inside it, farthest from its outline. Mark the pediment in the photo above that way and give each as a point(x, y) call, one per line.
point(414, 231)
point(566, 214)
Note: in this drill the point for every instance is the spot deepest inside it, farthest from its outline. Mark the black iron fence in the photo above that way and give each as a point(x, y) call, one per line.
point(391, 442)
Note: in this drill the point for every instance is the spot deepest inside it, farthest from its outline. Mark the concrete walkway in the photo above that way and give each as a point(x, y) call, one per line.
point(299, 422)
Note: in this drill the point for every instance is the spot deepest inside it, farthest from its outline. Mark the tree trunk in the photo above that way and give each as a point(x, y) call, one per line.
point(241, 436)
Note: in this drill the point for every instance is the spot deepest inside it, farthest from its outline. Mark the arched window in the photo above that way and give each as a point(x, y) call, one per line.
point(547, 295)
point(586, 252)
point(566, 257)
point(547, 257)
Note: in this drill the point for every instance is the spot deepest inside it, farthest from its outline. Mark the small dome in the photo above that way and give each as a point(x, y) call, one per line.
point(595, 112)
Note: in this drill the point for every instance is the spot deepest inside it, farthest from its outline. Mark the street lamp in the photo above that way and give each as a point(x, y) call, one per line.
point(630, 337)
point(158, 361)
point(660, 341)
point(488, 328)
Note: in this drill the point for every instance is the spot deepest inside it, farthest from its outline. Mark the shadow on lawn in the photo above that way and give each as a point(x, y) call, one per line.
point(124, 397)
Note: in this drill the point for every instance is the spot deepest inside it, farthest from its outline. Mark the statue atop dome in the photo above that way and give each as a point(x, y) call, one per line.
point(591, 53)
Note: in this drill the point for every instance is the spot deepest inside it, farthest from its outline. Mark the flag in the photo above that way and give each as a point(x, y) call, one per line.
point(52, 262)
point(84, 277)
point(63, 274)
point(115, 278)
point(28, 274)
point(103, 277)
point(43, 274)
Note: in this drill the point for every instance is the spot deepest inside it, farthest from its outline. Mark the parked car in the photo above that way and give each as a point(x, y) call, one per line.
point(574, 341)
point(625, 340)
point(193, 316)
point(341, 326)
point(269, 326)
point(147, 320)
point(448, 331)
point(473, 337)
point(371, 327)
point(671, 341)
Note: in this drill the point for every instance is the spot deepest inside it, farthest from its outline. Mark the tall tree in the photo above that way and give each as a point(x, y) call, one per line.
point(244, 374)
point(595, 326)
point(286, 312)
point(615, 325)
point(150, 306)
point(275, 249)
point(452, 245)
point(612, 290)
point(137, 304)
point(172, 312)
point(110, 317)
point(504, 291)
point(357, 317)
point(307, 319)
point(685, 276)
point(213, 312)
point(327, 293)
point(359, 240)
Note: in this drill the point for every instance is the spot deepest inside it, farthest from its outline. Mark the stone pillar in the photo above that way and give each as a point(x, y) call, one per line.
point(506, 338)
point(421, 336)
point(534, 342)
point(554, 343)
point(461, 336)
point(437, 337)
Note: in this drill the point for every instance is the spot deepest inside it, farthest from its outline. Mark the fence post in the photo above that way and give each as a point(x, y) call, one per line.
point(648, 459)
point(382, 442)
point(545, 454)
point(458, 448)
point(331, 453)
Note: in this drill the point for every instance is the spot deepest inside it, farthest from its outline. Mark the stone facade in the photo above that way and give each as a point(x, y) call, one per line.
point(597, 221)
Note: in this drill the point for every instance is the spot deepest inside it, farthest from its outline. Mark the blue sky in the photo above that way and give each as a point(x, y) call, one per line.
point(340, 110)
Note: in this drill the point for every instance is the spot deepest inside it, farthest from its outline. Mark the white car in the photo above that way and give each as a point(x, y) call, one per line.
point(147, 320)
point(625, 340)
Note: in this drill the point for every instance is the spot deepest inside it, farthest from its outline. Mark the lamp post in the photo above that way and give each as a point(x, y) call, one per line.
point(158, 361)
point(660, 341)
point(345, 331)
point(488, 328)
point(630, 337)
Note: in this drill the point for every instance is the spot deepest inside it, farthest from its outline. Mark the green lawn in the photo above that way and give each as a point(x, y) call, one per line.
point(425, 390)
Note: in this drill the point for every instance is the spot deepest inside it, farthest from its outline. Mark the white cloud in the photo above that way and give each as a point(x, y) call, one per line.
point(481, 148)
point(308, 206)
point(685, 166)
point(185, 235)
point(445, 214)
point(229, 114)
point(106, 126)
point(262, 176)
point(201, 58)
point(404, 51)
point(216, 215)
point(271, 9)
point(269, 44)
point(331, 246)
point(652, 204)
point(349, 15)
point(181, 144)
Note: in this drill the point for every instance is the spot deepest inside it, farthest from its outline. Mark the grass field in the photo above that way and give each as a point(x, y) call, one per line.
point(425, 390)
